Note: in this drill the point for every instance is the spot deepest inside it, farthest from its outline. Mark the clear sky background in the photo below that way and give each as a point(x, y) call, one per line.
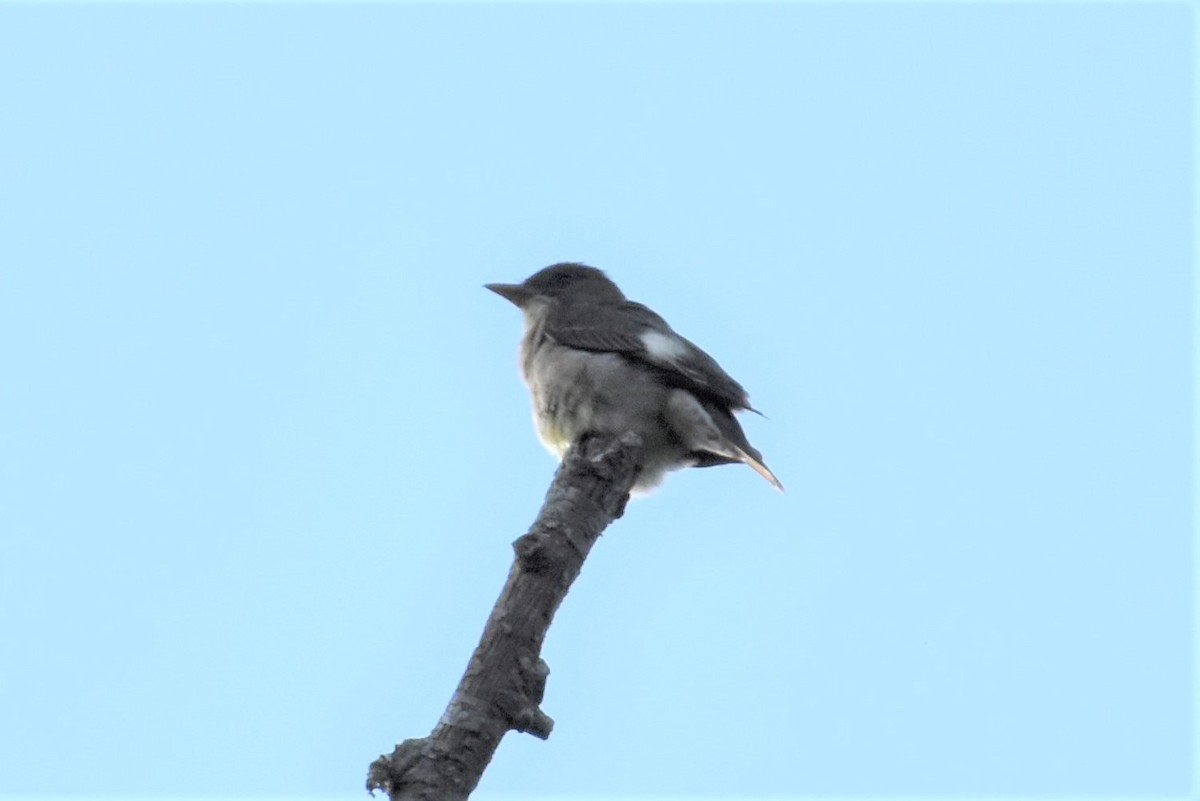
point(264, 448)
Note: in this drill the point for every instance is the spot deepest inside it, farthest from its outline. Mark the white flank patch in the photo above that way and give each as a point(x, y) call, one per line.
point(662, 347)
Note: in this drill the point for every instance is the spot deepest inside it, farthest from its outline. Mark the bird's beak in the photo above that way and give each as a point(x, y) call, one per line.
point(517, 294)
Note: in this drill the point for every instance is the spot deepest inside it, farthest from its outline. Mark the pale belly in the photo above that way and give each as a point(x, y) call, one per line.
point(575, 392)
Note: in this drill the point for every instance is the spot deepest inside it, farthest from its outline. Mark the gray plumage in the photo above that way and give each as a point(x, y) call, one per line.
point(597, 362)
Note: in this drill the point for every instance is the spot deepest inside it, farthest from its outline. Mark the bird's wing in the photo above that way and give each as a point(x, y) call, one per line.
point(638, 333)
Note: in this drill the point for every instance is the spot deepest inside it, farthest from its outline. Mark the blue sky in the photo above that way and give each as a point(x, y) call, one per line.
point(263, 446)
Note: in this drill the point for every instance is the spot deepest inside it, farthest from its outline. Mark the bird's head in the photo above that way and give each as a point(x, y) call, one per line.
point(558, 282)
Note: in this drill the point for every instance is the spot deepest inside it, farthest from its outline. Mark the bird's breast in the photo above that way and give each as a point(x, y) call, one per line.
point(562, 389)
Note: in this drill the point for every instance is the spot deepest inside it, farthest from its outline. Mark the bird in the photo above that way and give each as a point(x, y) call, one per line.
point(597, 362)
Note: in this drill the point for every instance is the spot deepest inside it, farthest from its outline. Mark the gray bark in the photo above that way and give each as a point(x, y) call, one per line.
point(506, 677)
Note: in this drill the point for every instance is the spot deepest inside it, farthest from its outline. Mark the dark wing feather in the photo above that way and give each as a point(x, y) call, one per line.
point(619, 328)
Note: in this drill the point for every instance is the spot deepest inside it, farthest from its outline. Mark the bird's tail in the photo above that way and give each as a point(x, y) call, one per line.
point(759, 467)
point(713, 434)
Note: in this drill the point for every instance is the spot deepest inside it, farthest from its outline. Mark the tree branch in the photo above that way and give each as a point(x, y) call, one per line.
point(506, 677)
